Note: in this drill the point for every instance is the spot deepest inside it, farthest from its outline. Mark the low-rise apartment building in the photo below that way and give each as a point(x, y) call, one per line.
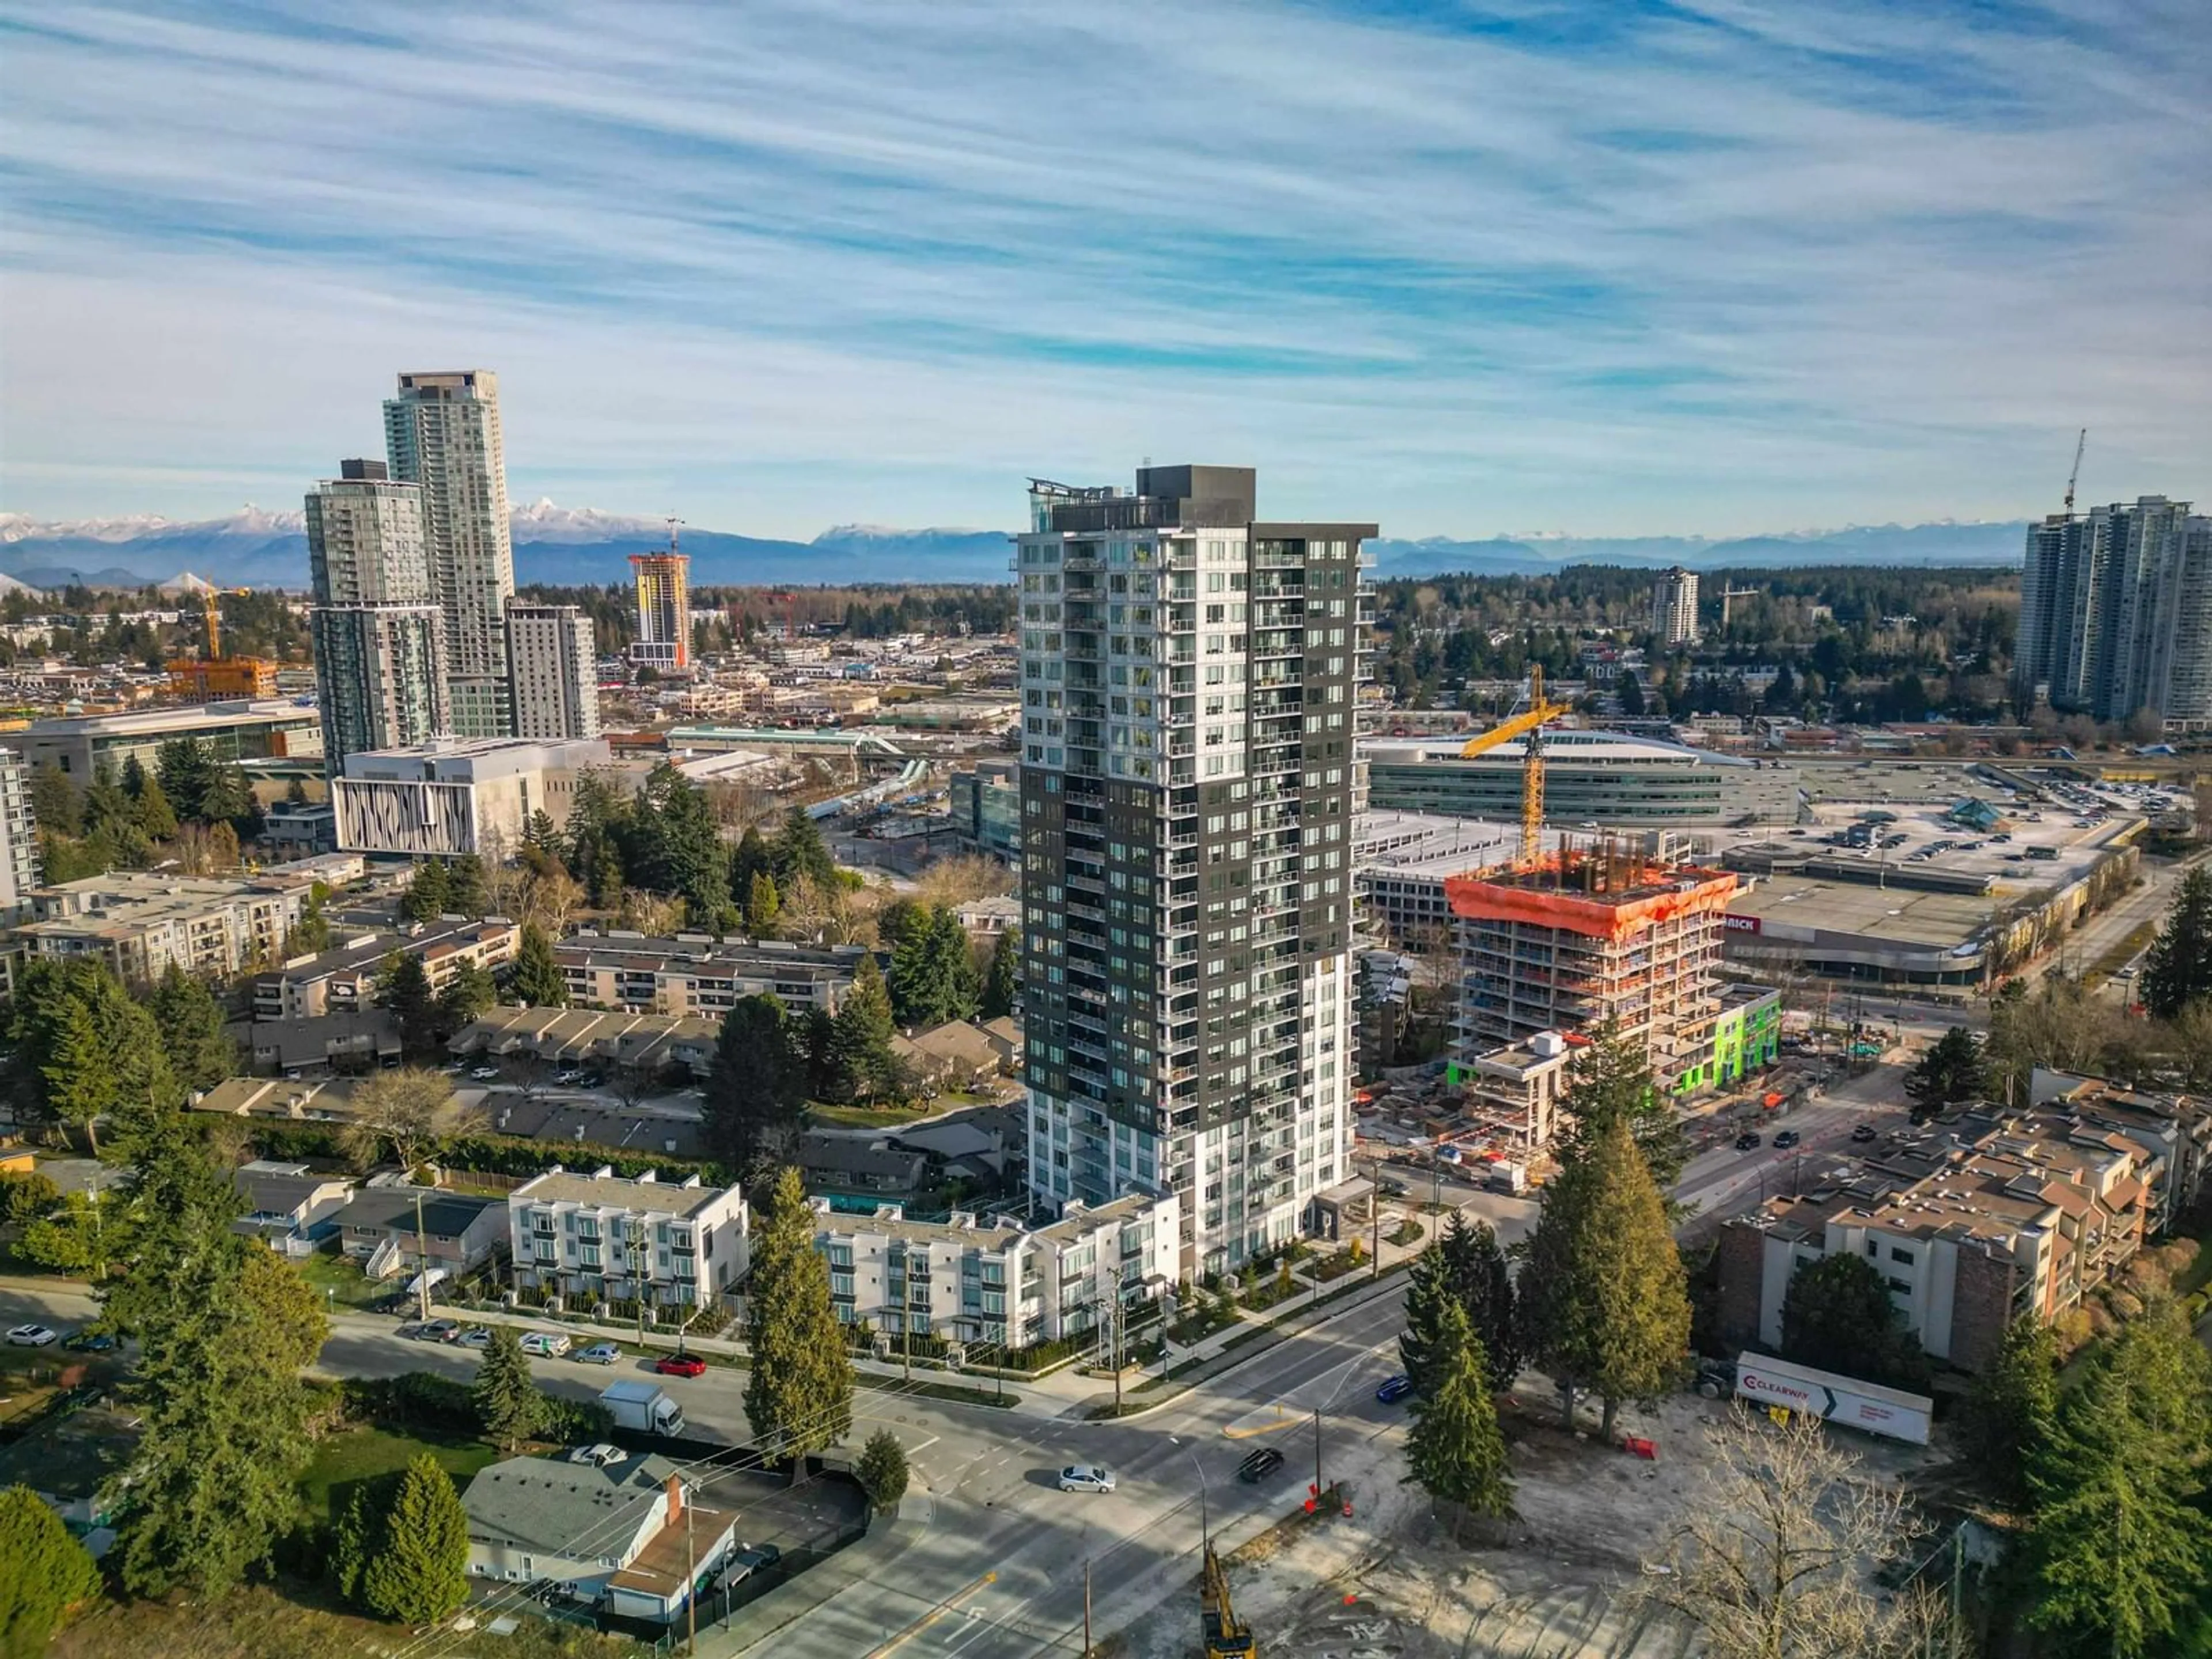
point(343, 979)
point(2002, 1217)
point(1002, 1285)
point(140, 923)
point(698, 974)
point(602, 1238)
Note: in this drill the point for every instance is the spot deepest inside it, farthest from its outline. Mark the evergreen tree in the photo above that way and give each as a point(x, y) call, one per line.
point(228, 800)
point(1455, 1452)
point(539, 834)
point(56, 807)
point(862, 1062)
point(468, 994)
point(186, 769)
point(755, 1090)
point(953, 966)
point(1607, 1304)
point(190, 1022)
point(2121, 1546)
point(606, 875)
point(295, 793)
point(1632, 696)
point(403, 986)
point(2013, 1402)
point(1002, 985)
point(817, 1040)
point(1837, 1316)
point(1611, 1079)
point(1482, 1283)
point(44, 1572)
point(752, 858)
point(681, 845)
point(81, 1048)
point(151, 813)
point(223, 1327)
point(538, 979)
point(509, 1409)
point(465, 886)
point(1954, 1071)
point(799, 1394)
point(1428, 1303)
point(799, 850)
point(418, 1573)
point(428, 895)
point(2177, 969)
point(761, 904)
point(882, 1470)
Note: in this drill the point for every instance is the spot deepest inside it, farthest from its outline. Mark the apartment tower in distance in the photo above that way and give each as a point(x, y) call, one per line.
point(1188, 678)
point(2115, 614)
point(19, 836)
point(663, 609)
point(379, 637)
point(552, 670)
point(442, 433)
point(1674, 607)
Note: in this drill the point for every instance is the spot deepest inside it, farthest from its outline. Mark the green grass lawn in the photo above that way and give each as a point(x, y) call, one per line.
point(872, 1117)
point(364, 1453)
point(328, 1271)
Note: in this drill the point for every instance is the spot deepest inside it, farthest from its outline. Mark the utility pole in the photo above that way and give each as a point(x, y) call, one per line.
point(1374, 1219)
point(690, 1558)
point(634, 1229)
point(422, 1261)
point(1086, 1608)
point(1316, 1457)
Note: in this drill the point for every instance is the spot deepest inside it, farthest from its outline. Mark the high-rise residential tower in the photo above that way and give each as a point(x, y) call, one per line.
point(553, 670)
point(442, 433)
point(663, 609)
point(379, 640)
point(1674, 607)
point(1188, 682)
point(2116, 613)
point(19, 835)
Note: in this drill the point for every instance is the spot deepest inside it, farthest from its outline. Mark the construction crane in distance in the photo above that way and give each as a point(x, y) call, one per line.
point(2074, 478)
point(1528, 724)
point(1728, 595)
point(1227, 1637)
point(211, 598)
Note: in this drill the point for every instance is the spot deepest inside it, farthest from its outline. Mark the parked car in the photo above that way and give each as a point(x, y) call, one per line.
point(599, 1353)
point(1395, 1388)
point(30, 1336)
point(680, 1365)
point(476, 1336)
point(486, 1073)
point(1259, 1465)
point(743, 1562)
point(1748, 1139)
point(1864, 1132)
point(439, 1330)
point(1086, 1477)
point(90, 1341)
point(599, 1455)
point(549, 1344)
point(566, 1079)
point(1787, 1138)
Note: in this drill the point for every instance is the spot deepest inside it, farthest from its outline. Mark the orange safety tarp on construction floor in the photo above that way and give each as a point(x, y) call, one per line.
point(1596, 915)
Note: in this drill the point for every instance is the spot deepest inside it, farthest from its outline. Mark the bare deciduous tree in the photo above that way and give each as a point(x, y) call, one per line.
point(409, 1111)
point(1776, 1558)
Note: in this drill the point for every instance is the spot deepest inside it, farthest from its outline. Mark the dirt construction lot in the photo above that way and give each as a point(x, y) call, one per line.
point(1390, 1583)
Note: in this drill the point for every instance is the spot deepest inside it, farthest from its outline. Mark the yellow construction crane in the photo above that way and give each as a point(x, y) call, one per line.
point(1528, 724)
point(211, 607)
point(1227, 1637)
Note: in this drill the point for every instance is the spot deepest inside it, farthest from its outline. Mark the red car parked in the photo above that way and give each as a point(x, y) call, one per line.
point(680, 1365)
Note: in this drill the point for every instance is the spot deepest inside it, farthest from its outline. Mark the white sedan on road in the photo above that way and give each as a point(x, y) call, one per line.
point(30, 1336)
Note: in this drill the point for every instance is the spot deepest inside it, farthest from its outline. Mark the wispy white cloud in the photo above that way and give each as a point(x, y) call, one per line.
point(1714, 265)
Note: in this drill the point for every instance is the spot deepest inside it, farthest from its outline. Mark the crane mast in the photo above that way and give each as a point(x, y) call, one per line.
point(2073, 477)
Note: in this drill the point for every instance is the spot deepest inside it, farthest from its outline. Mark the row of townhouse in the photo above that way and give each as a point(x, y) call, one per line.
point(343, 979)
point(2001, 1216)
point(647, 1044)
point(698, 974)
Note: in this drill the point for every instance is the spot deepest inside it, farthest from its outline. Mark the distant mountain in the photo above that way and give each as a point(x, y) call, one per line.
point(569, 546)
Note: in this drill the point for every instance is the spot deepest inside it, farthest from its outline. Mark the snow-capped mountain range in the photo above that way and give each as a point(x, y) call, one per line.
point(568, 545)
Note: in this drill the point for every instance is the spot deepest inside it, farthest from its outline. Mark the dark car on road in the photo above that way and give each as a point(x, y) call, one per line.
point(1259, 1465)
point(1748, 1139)
point(1865, 1132)
point(1786, 1139)
point(1395, 1388)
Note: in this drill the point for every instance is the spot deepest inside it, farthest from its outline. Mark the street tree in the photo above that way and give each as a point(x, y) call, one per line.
point(191, 1021)
point(538, 982)
point(882, 1470)
point(1954, 1071)
point(1774, 1557)
point(1607, 1304)
point(2012, 1407)
point(2120, 1544)
point(1455, 1452)
point(1837, 1316)
point(798, 1393)
point(509, 1407)
point(2176, 970)
point(1002, 983)
point(223, 1327)
point(403, 1115)
point(756, 1090)
point(44, 1573)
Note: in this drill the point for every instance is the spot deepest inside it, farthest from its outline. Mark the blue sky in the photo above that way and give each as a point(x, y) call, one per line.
point(1598, 266)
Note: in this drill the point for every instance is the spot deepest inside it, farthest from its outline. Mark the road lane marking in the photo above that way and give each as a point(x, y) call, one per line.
point(932, 1616)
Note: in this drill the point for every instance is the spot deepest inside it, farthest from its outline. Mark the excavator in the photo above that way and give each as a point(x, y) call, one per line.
point(1227, 1637)
point(1529, 724)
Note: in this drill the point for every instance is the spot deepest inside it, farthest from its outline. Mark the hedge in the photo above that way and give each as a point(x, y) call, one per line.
point(423, 1400)
point(510, 1155)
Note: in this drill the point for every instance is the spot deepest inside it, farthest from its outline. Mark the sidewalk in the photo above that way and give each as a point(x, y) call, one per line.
point(857, 1564)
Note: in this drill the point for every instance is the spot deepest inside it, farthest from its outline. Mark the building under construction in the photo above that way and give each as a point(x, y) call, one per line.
point(1552, 949)
point(216, 678)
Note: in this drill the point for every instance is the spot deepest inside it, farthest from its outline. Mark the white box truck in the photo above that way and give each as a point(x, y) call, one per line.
point(643, 1408)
